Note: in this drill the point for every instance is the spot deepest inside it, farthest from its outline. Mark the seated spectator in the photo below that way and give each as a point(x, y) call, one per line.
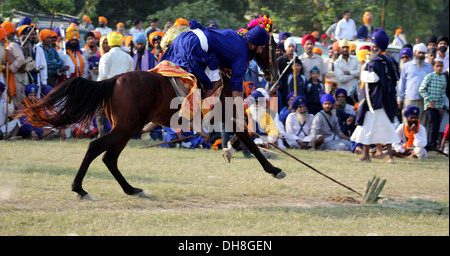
point(28, 130)
point(172, 134)
point(13, 125)
point(326, 133)
point(284, 113)
point(341, 102)
point(313, 90)
point(260, 120)
point(298, 125)
point(413, 136)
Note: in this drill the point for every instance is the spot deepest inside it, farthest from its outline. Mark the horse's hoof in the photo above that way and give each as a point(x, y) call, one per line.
point(85, 197)
point(227, 155)
point(143, 195)
point(278, 173)
point(134, 191)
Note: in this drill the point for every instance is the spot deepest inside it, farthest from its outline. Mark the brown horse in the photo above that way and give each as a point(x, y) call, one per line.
point(131, 100)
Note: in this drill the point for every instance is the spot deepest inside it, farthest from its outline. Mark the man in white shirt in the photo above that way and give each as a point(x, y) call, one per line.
point(116, 61)
point(346, 28)
point(346, 67)
point(412, 134)
point(103, 29)
point(298, 124)
point(310, 59)
point(137, 29)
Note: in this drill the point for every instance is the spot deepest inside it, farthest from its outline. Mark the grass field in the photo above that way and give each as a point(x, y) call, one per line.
point(194, 192)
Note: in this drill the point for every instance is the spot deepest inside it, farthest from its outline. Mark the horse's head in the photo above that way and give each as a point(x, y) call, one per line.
point(268, 62)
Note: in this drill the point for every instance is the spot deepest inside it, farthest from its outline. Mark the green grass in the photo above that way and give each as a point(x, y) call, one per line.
point(194, 192)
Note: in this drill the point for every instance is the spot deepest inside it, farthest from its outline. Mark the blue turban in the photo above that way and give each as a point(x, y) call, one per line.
point(297, 101)
point(46, 89)
point(289, 96)
point(58, 31)
point(139, 38)
point(282, 34)
point(339, 91)
point(93, 62)
point(257, 36)
point(315, 68)
point(24, 21)
point(380, 38)
point(411, 110)
point(327, 97)
point(257, 94)
point(2, 87)
point(31, 88)
point(406, 51)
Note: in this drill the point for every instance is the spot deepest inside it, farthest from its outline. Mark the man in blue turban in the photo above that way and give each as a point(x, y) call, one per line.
point(202, 50)
point(378, 105)
point(412, 134)
point(143, 59)
point(326, 133)
point(298, 124)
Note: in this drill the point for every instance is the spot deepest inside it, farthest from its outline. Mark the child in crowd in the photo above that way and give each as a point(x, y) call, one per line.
point(313, 90)
point(432, 91)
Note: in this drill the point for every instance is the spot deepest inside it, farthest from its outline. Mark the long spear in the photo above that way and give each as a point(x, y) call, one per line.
point(298, 160)
point(170, 141)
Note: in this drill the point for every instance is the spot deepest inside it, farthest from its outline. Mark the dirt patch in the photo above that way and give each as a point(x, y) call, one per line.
point(343, 199)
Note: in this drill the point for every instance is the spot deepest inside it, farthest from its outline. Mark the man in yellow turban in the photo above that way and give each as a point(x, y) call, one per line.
point(102, 26)
point(116, 61)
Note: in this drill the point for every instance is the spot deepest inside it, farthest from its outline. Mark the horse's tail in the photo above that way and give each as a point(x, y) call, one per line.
point(73, 101)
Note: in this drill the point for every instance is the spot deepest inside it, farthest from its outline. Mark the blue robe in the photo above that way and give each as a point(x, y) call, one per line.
point(226, 49)
point(383, 92)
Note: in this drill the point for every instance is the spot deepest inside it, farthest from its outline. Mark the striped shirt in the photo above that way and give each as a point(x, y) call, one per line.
point(433, 89)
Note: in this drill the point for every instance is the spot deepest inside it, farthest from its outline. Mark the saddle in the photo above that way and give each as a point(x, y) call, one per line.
point(187, 89)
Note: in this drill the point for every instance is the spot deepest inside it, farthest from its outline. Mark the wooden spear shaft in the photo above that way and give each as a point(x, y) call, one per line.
point(300, 161)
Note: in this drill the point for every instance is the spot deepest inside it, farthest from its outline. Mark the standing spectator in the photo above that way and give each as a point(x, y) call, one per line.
point(298, 124)
point(137, 29)
point(310, 59)
point(86, 24)
point(91, 54)
point(120, 27)
point(283, 62)
point(432, 90)
point(283, 36)
point(143, 59)
point(346, 69)
point(331, 31)
point(442, 47)
point(324, 41)
point(54, 61)
point(411, 77)
point(399, 38)
point(330, 76)
point(413, 136)
point(300, 79)
point(102, 26)
point(346, 28)
point(16, 59)
point(431, 55)
point(326, 133)
point(406, 55)
point(116, 61)
point(366, 30)
point(313, 91)
point(75, 63)
point(377, 108)
point(431, 42)
point(13, 125)
point(155, 41)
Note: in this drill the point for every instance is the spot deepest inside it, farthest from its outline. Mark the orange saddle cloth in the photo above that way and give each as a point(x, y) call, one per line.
point(185, 86)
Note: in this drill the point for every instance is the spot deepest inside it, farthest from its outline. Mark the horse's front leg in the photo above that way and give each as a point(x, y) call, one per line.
point(245, 138)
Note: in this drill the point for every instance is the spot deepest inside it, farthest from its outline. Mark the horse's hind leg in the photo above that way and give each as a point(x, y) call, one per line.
point(96, 147)
point(110, 160)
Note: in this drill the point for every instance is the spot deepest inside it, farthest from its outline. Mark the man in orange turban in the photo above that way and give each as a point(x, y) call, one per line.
point(399, 38)
point(155, 40)
point(102, 26)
